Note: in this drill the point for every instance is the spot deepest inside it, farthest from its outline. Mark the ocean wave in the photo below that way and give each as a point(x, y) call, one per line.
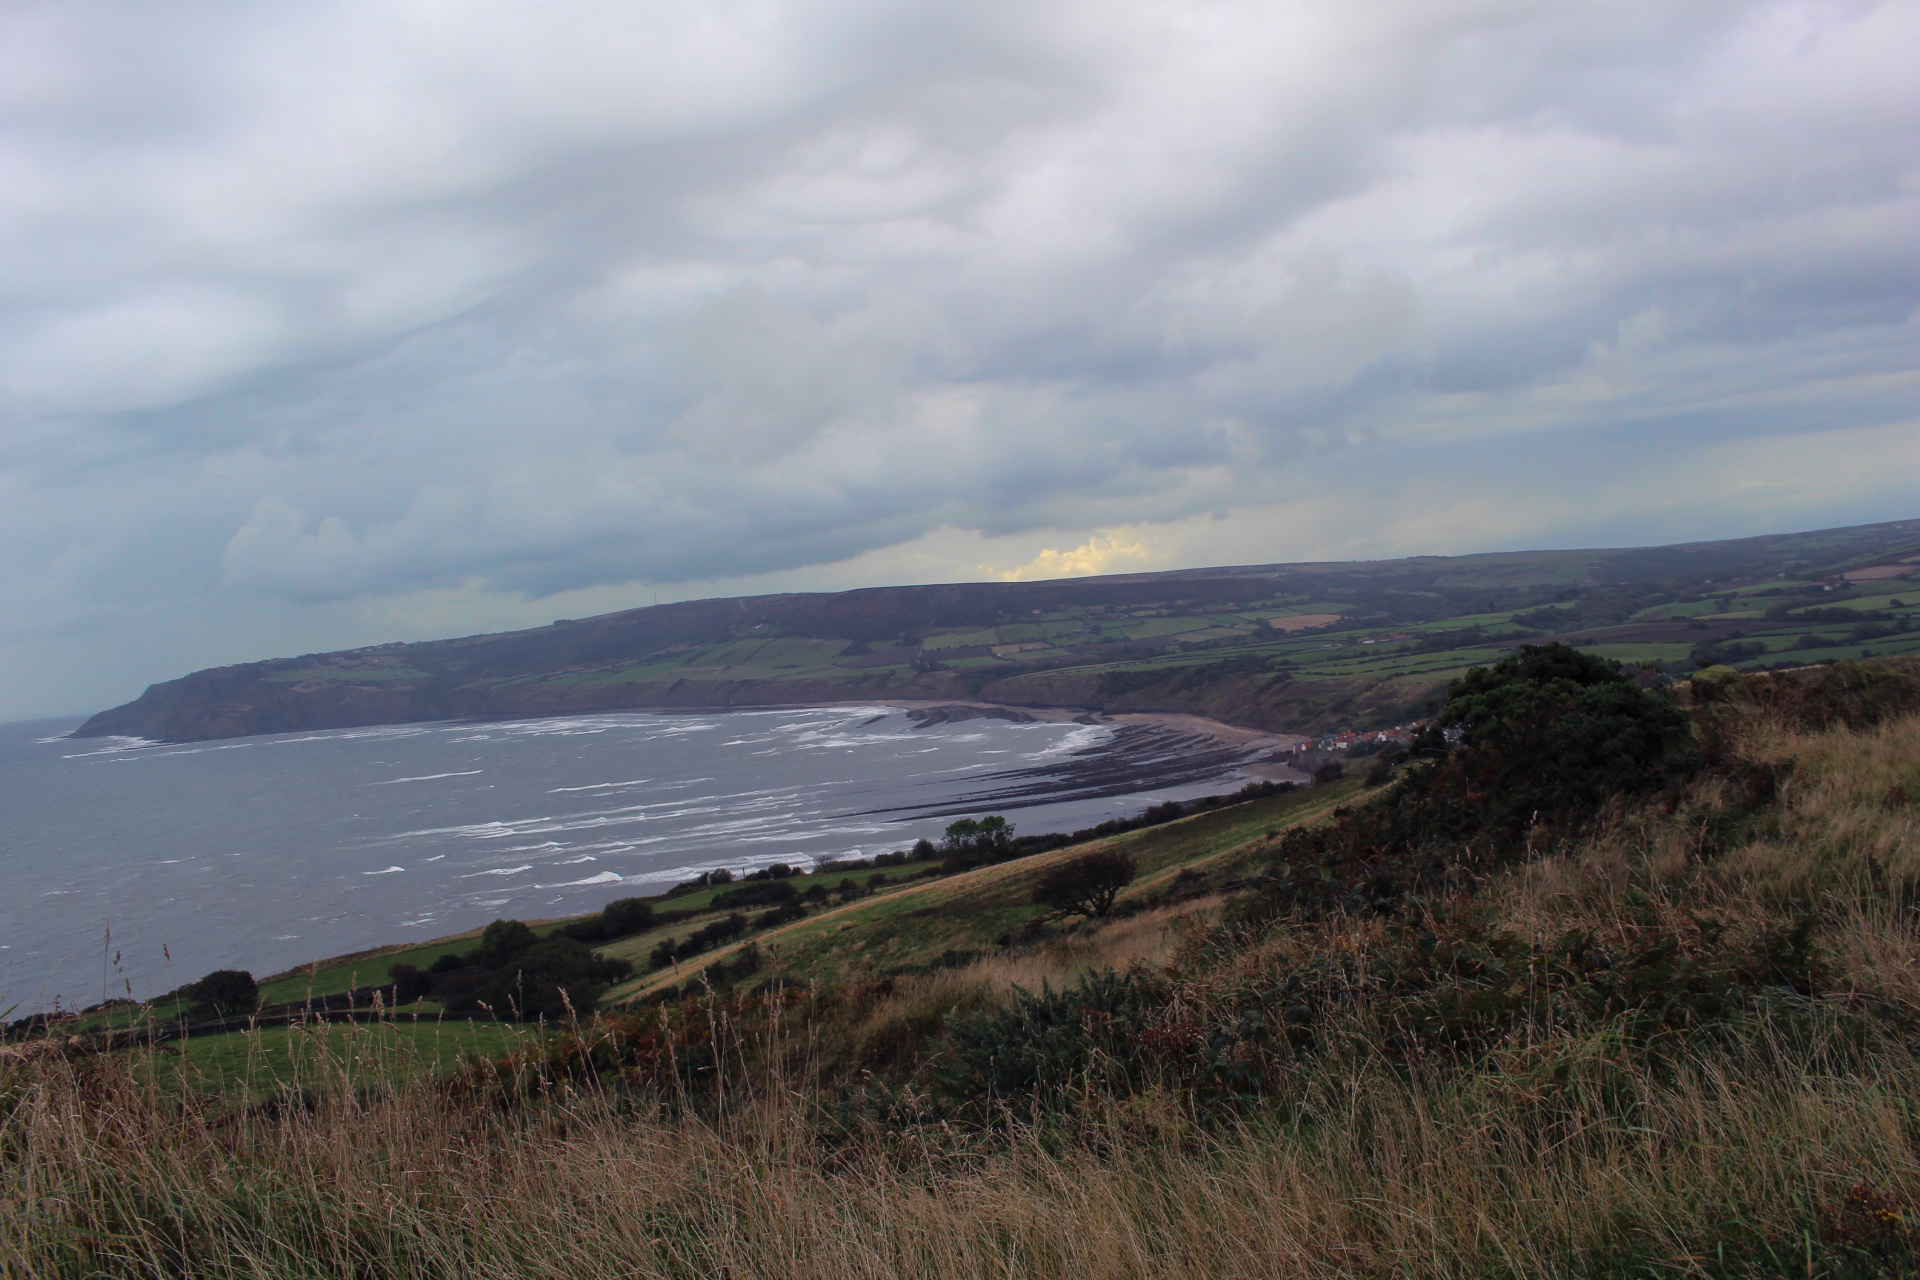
point(387, 872)
point(605, 877)
point(498, 871)
point(111, 743)
point(428, 777)
point(1080, 738)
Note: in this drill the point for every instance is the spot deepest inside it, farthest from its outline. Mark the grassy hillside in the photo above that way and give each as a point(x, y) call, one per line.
point(1358, 643)
point(1621, 984)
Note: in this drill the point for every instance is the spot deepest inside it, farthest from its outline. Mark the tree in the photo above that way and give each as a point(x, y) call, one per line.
point(971, 842)
point(553, 976)
point(225, 993)
point(1086, 885)
point(501, 942)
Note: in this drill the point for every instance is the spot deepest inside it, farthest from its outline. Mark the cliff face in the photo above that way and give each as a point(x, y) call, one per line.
point(234, 702)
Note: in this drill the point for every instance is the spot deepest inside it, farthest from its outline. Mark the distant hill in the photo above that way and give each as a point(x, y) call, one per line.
point(1304, 647)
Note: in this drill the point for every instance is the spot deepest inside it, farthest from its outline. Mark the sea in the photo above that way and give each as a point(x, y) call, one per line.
point(128, 867)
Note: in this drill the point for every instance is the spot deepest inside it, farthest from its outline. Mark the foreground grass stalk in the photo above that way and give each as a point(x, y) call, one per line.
point(1373, 1173)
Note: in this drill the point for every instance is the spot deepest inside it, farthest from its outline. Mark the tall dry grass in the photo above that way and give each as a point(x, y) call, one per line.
point(1371, 1172)
point(1841, 836)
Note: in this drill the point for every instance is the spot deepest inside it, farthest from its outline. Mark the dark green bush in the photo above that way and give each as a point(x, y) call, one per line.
point(1086, 885)
point(225, 993)
point(1042, 1042)
point(1534, 745)
point(1553, 731)
point(703, 939)
point(409, 984)
point(501, 943)
point(764, 893)
point(620, 918)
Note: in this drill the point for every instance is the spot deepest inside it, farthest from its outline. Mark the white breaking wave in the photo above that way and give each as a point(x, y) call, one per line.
point(428, 777)
point(605, 877)
point(389, 871)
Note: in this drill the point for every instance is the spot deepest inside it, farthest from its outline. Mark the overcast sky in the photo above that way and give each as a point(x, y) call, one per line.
point(326, 324)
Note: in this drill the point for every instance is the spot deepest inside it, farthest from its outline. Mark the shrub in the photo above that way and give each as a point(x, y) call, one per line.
point(549, 978)
point(763, 893)
point(1535, 744)
point(618, 919)
point(1043, 1042)
point(463, 992)
point(784, 914)
point(225, 993)
point(626, 916)
point(448, 963)
point(409, 984)
point(501, 942)
point(1554, 731)
point(702, 939)
point(1086, 885)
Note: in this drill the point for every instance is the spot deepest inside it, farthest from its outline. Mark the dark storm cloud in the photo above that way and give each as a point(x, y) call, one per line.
point(351, 302)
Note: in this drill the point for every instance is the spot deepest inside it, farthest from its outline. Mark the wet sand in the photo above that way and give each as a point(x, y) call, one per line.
point(1148, 751)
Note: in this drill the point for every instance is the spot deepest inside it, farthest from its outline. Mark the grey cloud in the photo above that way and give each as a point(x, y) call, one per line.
point(348, 300)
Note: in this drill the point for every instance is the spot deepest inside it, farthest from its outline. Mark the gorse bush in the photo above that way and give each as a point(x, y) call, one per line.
point(1521, 753)
point(1045, 1041)
point(1553, 733)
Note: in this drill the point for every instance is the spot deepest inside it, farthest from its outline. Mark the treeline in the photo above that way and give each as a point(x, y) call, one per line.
point(515, 973)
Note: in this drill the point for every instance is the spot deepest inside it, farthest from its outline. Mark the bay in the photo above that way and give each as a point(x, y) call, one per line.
point(128, 868)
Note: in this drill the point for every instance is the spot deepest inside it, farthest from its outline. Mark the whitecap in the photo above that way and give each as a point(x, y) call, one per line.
point(428, 777)
point(501, 871)
point(605, 877)
point(389, 871)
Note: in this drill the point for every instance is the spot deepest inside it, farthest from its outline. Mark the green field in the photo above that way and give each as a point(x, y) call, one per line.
point(917, 924)
point(356, 1055)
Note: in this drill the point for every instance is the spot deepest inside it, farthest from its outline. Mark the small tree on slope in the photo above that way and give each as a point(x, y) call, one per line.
point(1086, 885)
